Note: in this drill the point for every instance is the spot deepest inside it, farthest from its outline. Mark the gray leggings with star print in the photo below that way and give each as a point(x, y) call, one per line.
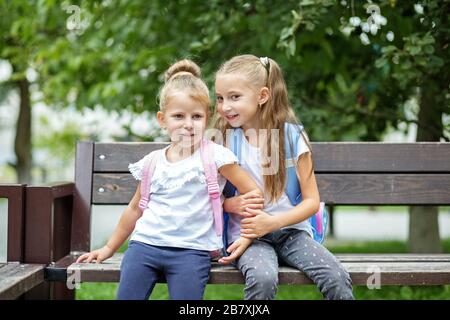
point(296, 248)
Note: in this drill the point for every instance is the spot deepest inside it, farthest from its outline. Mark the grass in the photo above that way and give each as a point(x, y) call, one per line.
point(96, 291)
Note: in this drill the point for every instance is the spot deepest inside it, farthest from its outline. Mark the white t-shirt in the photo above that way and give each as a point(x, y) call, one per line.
point(179, 212)
point(250, 162)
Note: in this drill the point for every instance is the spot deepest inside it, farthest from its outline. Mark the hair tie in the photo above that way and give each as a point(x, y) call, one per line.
point(266, 64)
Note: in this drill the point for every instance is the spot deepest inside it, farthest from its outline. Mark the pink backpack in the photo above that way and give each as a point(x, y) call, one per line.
point(207, 155)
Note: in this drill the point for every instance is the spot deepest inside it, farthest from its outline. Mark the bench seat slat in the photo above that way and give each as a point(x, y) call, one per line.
point(395, 269)
point(16, 279)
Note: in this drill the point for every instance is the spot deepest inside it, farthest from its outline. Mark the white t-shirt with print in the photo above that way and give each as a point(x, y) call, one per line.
point(251, 162)
point(179, 212)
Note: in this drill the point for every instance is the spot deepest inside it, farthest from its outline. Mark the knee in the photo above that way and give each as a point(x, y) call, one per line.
point(263, 283)
point(338, 286)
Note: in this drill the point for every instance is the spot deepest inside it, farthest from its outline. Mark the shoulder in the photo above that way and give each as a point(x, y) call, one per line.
point(222, 155)
point(137, 167)
point(293, 129)
point(221, 150)
point(156, 153)
point(218, 147)
point(303, 143)
point(152, 155)
point(296, 134)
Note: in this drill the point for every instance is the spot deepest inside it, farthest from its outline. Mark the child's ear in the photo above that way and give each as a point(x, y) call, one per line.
point(161, 120)
point(264, 95)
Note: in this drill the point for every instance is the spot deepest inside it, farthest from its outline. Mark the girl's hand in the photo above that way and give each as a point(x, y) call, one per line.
point(238, 204)
point(99, 255)
point(237, 248)
point(260, 224)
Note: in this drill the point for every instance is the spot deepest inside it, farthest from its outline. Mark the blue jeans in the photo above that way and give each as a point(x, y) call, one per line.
point(186, 271)
point(295, 248)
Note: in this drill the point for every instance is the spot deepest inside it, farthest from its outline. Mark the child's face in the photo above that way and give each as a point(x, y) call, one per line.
point(237, 101)
point(184, 119)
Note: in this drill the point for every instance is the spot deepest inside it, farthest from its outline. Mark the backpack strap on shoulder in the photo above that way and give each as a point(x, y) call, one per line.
point(146, 181)
point(235, 145)
point(318, 221)
point(292, 134)
point(209, 165)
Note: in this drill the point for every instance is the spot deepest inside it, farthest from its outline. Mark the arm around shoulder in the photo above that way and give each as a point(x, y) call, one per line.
point(239, 178)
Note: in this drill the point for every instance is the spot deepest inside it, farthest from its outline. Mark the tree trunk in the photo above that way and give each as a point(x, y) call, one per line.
point(424, 230)
point(423, 221)
point(22, 143)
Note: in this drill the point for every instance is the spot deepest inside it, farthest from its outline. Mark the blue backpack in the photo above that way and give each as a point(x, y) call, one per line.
point(292, 133)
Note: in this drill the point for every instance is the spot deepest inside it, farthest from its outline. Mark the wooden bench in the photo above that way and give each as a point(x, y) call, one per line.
point(347, 173)
point(16, 277)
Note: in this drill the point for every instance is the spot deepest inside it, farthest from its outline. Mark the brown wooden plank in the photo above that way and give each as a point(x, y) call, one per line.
point(16, 279)
point(48, 232)
point(113, 188)
point(328, 156)
point(363, 274)
point(392, 257)
point(62, 226)
point(115, 157)
point(39, 235)
point(61, 189)
point(343, 257)
point(338, 189)
point(39, 225)
point(380, 189)
point(381, 157)
point(81, 213)
point(395, 269)
point(15, 193)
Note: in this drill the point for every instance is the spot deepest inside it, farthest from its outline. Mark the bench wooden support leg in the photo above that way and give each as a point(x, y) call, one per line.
point(47, 234)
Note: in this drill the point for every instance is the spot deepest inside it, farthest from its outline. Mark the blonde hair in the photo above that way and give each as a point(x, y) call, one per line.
point(274, 113)
point(184, 76)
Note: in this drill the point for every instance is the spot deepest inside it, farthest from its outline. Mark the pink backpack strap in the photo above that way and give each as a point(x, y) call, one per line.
point(207, 154)
point(319, 215)
point(146, 181)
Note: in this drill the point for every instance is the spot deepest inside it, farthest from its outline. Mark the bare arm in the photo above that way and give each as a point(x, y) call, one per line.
point(264, 223)
point(238, 204)
point(239, 178)
point(122, 231)
point(127, 222)
point(245, 185)
point(310, 194)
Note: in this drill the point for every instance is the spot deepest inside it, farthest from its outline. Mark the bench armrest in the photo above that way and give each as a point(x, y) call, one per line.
point(48, 206)
point(58, 189)
point(15, 193)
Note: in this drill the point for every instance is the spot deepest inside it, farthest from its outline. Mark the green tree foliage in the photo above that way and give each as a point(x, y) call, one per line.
point(340, 88)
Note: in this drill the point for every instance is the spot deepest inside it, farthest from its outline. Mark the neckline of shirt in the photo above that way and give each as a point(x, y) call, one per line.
point(167, 162)
point(248, 143)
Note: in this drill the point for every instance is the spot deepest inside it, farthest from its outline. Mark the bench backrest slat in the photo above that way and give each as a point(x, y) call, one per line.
point(115, 157)
point(421, 157)
point(342, 189)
